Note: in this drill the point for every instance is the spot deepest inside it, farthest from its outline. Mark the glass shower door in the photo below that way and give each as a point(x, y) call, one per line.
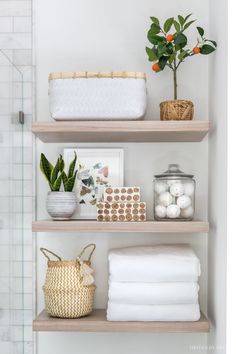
point(15, 238)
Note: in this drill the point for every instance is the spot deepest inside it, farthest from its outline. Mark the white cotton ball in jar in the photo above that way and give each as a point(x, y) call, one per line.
point(189, 188)
point(160, 187)
point(184, 201)
point(165, 199)
point(188, 212)
point(173, 211)
point(160, 211)
point(177, 189)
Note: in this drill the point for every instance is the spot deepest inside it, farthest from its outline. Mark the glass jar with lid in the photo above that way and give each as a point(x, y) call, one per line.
point(174, 195)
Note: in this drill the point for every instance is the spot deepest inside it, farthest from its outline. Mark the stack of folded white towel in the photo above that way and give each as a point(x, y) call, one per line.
point(158, 283)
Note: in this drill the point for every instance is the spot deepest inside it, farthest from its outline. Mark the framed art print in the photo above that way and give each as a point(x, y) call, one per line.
point(97, 169)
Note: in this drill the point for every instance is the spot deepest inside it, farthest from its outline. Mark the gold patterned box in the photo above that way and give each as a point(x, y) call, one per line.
point(122, 194)
point(121, 211)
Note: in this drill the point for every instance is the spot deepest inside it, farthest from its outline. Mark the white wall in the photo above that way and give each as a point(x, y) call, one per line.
point(107, 35)
point(217, 177)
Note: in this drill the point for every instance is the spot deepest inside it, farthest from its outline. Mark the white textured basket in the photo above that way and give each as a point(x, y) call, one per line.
point(97, 96)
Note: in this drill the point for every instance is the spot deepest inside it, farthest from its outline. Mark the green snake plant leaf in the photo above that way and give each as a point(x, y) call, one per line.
point(62, 164)
point(72, 166)
point(57, 184)
point(70, 183)
point(46, 167)
point(64, 179)
point(56, 170)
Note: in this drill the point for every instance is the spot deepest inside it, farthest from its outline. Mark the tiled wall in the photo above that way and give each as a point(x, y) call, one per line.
point(16, 186)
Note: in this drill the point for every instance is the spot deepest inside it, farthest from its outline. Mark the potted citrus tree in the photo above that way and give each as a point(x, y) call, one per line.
point(170, 50)
point(60, 204)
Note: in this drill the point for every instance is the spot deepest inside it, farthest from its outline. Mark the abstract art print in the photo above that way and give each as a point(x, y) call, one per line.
point(97, 169)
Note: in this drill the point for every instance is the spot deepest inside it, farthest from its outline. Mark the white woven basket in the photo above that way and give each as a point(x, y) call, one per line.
point(97, 96)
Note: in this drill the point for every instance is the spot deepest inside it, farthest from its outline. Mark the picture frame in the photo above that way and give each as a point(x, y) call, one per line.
point(97, 168)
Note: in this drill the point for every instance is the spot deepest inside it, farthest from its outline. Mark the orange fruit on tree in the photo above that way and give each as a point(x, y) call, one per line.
point(196, 50)
point(156, 67)
point(169, 37)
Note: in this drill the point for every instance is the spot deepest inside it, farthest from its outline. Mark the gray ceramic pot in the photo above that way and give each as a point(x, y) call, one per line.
point(61, 205)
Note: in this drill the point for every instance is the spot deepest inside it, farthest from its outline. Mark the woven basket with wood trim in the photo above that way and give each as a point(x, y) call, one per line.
point(117, 95)
point(176, 110)
point(68, 290)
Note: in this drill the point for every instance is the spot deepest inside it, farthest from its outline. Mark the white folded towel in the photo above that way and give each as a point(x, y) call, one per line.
point(153, 293)
point(120, 312)
point(163, 263)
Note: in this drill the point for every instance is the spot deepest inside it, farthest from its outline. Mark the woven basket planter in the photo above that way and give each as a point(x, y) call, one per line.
point(64, 293)
point(176, 110)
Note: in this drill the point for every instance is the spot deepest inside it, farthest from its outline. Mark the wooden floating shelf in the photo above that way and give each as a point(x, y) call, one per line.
point(97, 322)
point(103, 227)
point(121, 131)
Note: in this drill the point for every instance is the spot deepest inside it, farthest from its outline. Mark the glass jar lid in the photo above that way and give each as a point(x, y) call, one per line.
point(173, 172)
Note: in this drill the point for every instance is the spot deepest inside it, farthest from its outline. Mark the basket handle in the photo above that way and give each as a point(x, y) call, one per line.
point(91, 252)
point(45, 251)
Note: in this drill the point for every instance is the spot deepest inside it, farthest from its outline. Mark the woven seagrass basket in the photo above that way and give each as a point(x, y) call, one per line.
point(176, 110)
point(64, 293)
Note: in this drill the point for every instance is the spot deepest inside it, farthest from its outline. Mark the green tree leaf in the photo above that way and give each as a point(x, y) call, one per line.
point(180, 40)
point(172, 58)
point(213, 42)
point(162, 50)
point(46, 167)
point(169, 48)
point(183, 54)
point(177, 26)
point(155, 20)
point(200, 31)
point(155, 29)
point(151, 55)
point(154, 38)
point(187, 17)
point(188, 24)
point(181, 20)
point(163, 61)
point(168, 24)
point(207, 49)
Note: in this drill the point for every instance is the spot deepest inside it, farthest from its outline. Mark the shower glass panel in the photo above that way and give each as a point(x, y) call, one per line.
point(15, 270)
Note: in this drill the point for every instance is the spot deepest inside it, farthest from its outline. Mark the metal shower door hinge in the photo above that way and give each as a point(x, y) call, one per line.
point(21, 117)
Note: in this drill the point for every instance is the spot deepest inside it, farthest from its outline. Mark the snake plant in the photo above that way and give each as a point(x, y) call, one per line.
point(56, 176)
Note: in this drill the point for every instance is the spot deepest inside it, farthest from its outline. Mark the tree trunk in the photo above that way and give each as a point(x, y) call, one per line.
point(175, 83)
